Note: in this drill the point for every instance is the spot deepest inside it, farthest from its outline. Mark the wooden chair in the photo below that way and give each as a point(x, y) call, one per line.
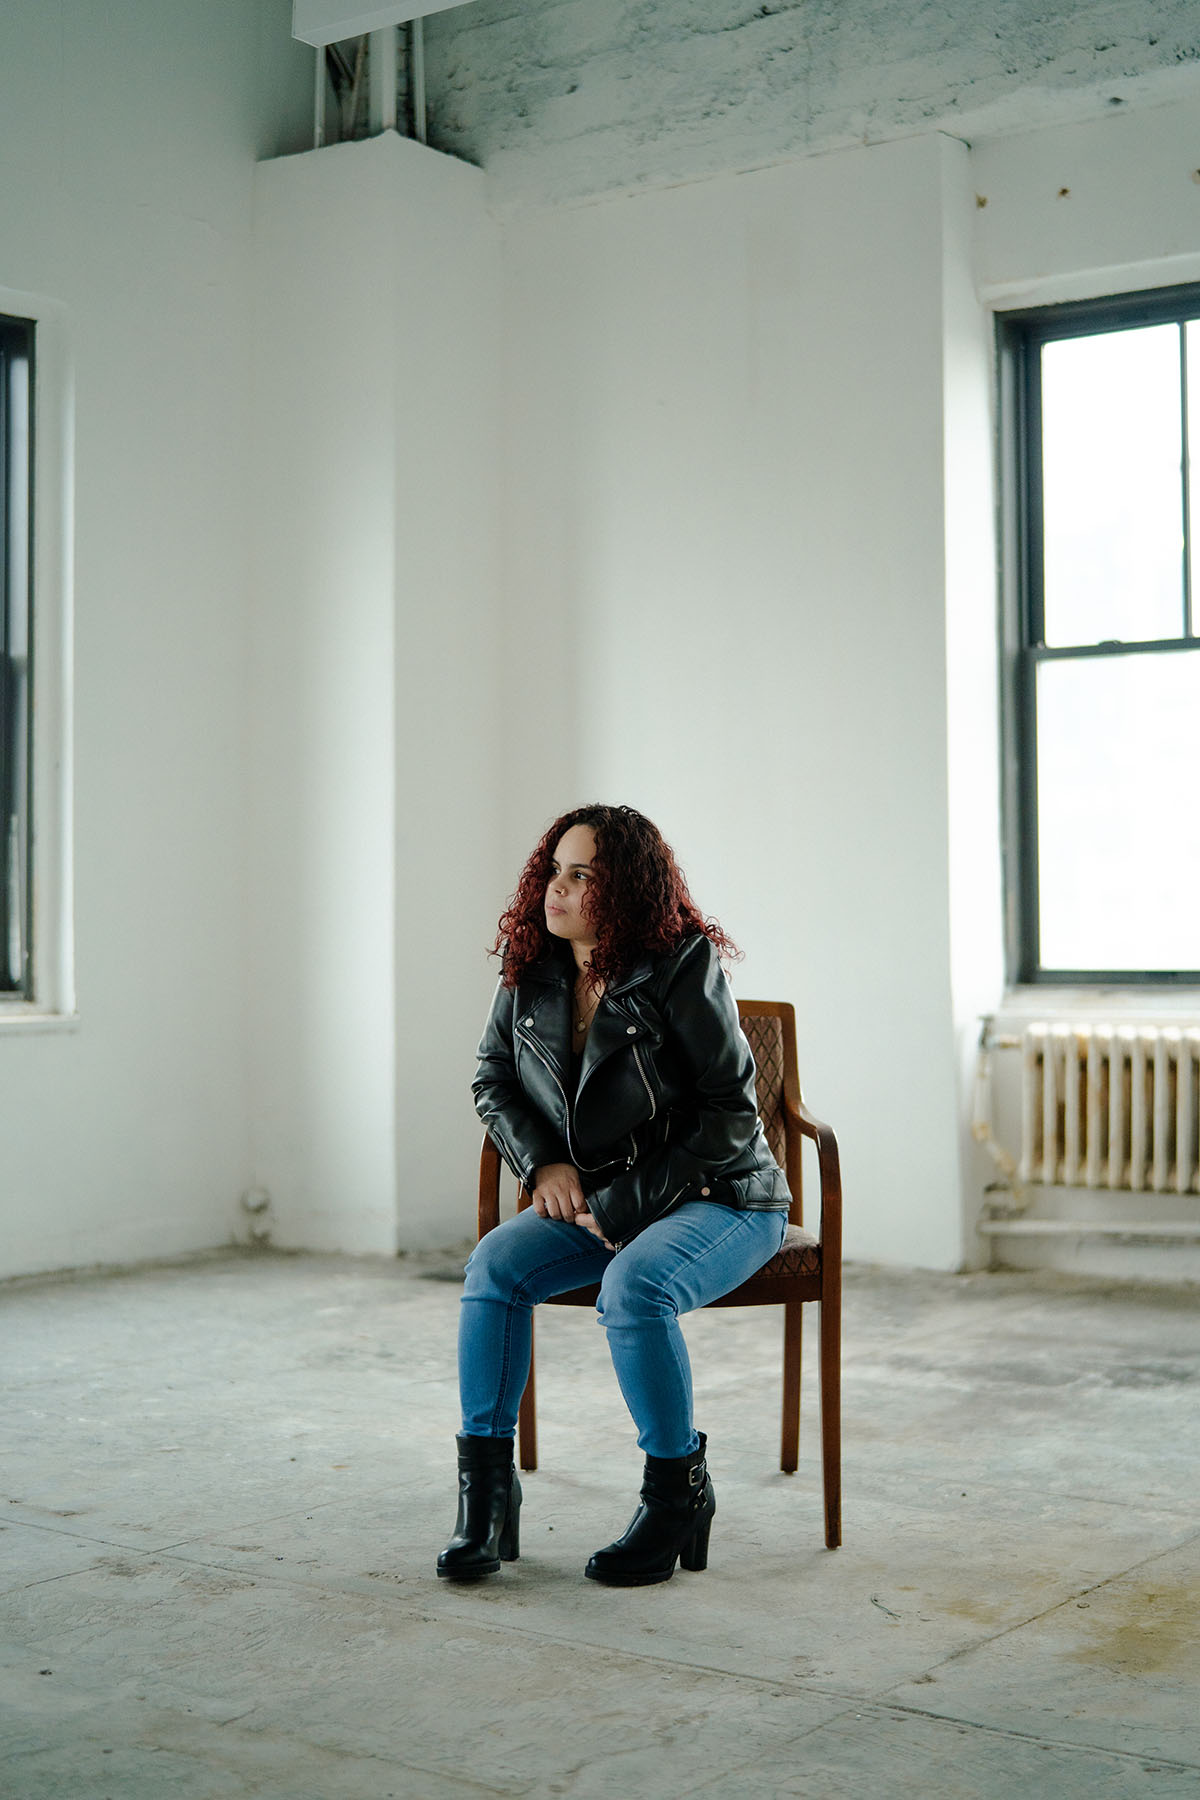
point(807, 1267)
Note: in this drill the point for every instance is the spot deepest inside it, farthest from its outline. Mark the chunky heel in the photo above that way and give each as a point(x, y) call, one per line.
point(489, 1505)
point(510, 1537)
point(672, 1524)
point(694, 1554)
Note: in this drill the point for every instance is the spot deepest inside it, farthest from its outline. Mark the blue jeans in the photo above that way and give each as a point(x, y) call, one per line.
point(694, 1255)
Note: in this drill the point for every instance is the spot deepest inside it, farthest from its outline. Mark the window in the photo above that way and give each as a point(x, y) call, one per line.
point(1102, 570)
point(16, 722)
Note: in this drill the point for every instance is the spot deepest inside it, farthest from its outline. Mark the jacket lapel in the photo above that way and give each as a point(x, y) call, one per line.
point(545, 1002)
point(611, 1026)
point(545, 1016)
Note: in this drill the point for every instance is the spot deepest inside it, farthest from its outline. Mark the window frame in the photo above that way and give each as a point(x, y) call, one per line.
point(1020, 335)
point(17, 341)
point(50, 1002)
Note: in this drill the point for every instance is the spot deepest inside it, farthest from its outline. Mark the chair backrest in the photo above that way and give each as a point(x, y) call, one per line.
point(770, 1028)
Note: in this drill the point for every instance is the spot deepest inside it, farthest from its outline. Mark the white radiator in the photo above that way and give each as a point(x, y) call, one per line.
point(1111, 1107)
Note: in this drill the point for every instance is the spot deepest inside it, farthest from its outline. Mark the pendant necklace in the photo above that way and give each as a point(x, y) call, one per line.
point(584, 1013)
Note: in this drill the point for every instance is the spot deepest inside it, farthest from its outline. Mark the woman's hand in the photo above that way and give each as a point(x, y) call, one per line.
point(590, 1224)
point(557, 1193)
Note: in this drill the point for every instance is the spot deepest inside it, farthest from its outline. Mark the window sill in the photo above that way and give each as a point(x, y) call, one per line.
point(21, 1020)
point(1146, 1005)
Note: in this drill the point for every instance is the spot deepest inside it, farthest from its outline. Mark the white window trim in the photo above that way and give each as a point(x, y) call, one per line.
point(52, 1007)
point(1146, 1004)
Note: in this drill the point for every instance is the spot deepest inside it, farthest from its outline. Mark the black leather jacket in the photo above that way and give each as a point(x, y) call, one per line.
point(665, 1107)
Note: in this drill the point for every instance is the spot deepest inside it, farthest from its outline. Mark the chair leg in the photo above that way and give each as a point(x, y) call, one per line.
point(789, 1447)
point(527, 1416)
point(831, 1412)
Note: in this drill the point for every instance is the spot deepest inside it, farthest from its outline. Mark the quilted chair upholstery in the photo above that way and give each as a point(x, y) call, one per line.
point(807, 1267)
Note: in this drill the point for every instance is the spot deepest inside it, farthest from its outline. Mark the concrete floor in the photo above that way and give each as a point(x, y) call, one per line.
point(225, 1483)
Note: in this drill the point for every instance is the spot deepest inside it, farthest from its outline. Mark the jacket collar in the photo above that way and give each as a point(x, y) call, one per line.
point(640, 972)
point(557, 970)
point(545, 1010)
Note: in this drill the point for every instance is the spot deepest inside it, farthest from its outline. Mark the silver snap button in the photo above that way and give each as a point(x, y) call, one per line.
point(631, 1031)
point(529, 1021)
point(706, 1192)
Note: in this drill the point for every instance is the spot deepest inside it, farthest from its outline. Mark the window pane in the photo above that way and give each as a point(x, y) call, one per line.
point(1112, 451)
point(1118, 823)
point(14, 660)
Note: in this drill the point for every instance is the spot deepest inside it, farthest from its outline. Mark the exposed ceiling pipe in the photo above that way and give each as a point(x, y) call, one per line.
point(319, 100)
point(416, 46)
point(374, 75)
point(382, 72)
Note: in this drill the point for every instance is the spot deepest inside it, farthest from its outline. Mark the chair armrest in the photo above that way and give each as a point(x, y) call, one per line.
point(830, 1167)
point(808, 1122)
point(491, 1166)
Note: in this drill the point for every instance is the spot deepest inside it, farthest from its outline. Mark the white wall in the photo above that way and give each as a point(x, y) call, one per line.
point(1102, 206)
point(746, 580)
point(973, 817)
point(1105, 206)
point(453, 714)
point(681, 499)
point(376, 702)
point(285, 703)
point(127, 138)
point(729, 556)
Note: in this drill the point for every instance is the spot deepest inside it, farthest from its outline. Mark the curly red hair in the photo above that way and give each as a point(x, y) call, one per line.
point(637, 898)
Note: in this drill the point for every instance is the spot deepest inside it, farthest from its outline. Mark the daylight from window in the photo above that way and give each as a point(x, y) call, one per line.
point(1112, 441)
point(1118, 736)
point(1118, 814)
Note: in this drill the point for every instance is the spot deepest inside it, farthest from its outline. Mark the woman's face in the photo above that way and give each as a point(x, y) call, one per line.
point(570, 873)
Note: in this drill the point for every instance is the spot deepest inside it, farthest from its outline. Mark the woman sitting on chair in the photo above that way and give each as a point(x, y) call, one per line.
point(616, 1082)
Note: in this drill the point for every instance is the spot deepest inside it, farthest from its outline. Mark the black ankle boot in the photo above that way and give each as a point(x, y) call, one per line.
point(487, 1531)
point(674, 1520)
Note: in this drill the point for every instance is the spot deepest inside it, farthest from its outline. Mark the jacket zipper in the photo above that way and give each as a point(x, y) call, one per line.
point(637, 1057)
point(662, 1213)
point(592, 1168)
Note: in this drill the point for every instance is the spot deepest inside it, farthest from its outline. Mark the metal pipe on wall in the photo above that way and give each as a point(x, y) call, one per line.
point(319, 84)
point(382, 71)
point(417, 76)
